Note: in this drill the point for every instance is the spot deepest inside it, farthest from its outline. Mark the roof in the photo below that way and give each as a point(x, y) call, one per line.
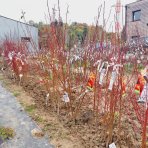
point(137, 1)
point(18, 21)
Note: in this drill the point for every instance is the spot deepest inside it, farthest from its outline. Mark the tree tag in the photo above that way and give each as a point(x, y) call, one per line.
point(99, 66)
point(102, 75)
point(65, 97)
point(20, 75)
point(112, 145)
point(47, 99)
point(10, 56)
point(113, 78)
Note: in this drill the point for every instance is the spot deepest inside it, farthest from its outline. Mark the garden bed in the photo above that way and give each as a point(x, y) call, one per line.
point(85, 129)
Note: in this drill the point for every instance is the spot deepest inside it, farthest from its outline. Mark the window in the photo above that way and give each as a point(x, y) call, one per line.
point(136, 15)
point(135, 37)
point(25, 39)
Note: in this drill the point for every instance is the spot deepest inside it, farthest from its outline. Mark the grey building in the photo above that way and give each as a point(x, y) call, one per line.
point(136, 20)
point(17, 31)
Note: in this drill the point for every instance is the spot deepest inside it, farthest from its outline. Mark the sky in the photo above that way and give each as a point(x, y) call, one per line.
point(83, 11)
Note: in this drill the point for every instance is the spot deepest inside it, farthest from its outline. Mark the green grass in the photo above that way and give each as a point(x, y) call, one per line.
point(16, 94)
point(39, 119)
point(22, 104)
point(129, 68)
point(6, 133)
point(1, 77)
point(30, 108)
point(47, 126)
point(140, 67)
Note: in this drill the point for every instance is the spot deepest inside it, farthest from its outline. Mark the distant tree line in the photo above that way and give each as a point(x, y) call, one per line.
point(76, 32)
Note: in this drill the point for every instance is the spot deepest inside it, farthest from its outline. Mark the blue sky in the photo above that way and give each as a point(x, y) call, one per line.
point(83, 11)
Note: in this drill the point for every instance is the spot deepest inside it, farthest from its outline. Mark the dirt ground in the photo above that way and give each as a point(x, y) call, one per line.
point(59, 136)
point(64, 133)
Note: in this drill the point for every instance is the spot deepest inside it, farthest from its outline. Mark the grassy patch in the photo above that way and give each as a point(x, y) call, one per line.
point(7, 83)
point(64, 135)
point(22, 103)
point(6, 133)
point(129, 67)
point(1, 77)
point(47, 126)
point(16, 94)
point(52, 127)
point(30, 108)
point(39, 119)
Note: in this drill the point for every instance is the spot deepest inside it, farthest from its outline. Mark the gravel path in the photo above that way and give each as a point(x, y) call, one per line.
point(13, 115)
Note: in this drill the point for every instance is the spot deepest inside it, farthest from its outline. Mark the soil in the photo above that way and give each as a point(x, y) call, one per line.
point(59, 136)
point(83, 132)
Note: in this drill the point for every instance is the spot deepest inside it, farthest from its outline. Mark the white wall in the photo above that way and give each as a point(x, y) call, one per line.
point(14, 30)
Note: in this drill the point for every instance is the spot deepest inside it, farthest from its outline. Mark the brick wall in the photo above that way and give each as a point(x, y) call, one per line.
point(137, 28)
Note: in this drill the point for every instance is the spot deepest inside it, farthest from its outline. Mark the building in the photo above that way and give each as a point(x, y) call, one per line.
point(136, 21)
point(18, 32)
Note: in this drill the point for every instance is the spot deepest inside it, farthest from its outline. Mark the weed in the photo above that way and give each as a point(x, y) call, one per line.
point(6, 83)
point(1, 77)
point(30, 108)
point(16, 94)
point(38, 119)
point(47, 126)
point(64, 135)
point(22, 103)
point(6, 133)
